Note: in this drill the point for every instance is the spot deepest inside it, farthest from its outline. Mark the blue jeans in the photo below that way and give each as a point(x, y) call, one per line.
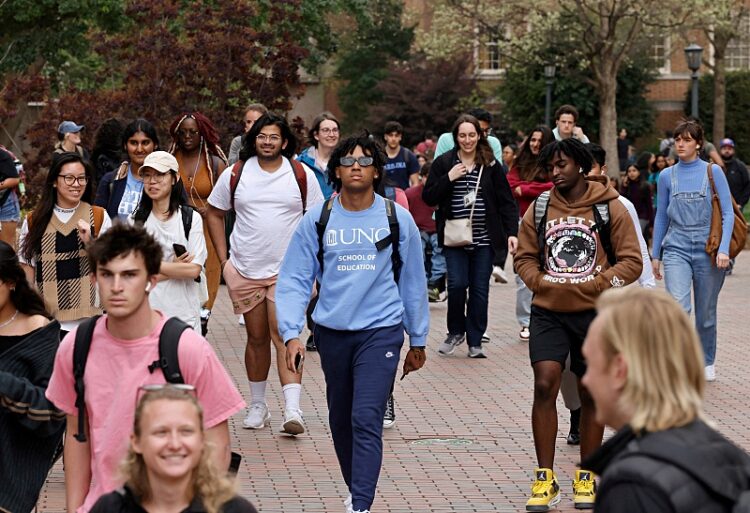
point(687, 265)
point(10, 210)
point(523, 303)
point(468, 269)
point(437, 261)
point(359, 367)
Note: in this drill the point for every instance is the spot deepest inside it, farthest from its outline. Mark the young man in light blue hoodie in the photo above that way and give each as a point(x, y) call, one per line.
point(371, 290)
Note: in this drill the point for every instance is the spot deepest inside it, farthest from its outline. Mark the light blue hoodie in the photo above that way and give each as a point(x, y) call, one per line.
point(357, 287)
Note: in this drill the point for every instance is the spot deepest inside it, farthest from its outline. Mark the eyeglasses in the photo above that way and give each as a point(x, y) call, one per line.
point(328, 131)
point(153, 177)
point(362, 161)
point(70, 179)
point(185, 133)
point(268, 138)
point(144, 390)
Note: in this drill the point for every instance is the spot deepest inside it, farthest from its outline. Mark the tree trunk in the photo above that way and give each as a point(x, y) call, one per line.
point(608, 121)
point(720, 89)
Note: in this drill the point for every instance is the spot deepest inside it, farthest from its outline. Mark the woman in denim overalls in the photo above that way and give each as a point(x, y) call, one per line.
point(683, 222)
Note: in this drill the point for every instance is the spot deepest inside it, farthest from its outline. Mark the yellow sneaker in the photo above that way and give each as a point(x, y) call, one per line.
point(545, 492)
point(584, 489)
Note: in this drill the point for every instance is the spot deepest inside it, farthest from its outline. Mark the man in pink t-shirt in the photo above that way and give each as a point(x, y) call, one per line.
point(125, 342)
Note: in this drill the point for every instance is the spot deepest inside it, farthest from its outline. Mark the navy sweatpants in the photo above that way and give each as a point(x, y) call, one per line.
point(359, 367)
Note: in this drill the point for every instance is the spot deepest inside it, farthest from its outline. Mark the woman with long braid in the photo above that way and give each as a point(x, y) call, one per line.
point(195, 145)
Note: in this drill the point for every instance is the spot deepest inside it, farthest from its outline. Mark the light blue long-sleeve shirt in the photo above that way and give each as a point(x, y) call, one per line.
point(690, 179)
point(357, 287)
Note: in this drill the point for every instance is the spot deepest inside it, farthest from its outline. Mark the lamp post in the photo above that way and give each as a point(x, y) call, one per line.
point(693, 55)
point(549, 75)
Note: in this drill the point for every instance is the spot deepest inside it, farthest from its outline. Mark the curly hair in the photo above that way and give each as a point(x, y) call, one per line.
point(209, 139)
point(572, 148)
point(207, 483)
point(370, 147)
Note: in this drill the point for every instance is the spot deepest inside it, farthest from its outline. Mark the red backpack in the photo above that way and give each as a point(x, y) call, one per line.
point(299, 175)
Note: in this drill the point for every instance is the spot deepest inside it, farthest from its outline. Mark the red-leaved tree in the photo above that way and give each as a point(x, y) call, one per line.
point(215, 56)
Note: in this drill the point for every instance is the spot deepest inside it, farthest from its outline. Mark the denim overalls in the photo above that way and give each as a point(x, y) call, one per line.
point(686, 262)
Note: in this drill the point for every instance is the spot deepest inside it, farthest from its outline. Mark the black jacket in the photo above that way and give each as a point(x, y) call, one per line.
point(123, 501)
point(739, 180)
point(644, 474)
point(501, 208)
point(30, 426)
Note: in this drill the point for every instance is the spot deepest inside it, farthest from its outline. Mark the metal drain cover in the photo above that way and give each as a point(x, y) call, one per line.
point(442, 441)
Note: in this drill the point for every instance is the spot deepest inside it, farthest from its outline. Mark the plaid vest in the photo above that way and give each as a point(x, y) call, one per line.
point(62, 269)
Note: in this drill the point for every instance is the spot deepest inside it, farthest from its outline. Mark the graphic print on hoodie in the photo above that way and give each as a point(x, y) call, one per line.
point(575, 270)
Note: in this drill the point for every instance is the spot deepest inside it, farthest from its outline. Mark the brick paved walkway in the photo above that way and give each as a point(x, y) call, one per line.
point(480, 408)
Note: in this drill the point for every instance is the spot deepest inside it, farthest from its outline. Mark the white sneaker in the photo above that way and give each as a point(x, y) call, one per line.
point(293, 423)
point(710, 373)
point(257, 416)
point(241, 320)
point(348, 503)
point(525, 334)
point(499, 274)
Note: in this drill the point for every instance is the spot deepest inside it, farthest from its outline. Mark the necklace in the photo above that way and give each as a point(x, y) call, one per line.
point(12, 318)
point(61, 210)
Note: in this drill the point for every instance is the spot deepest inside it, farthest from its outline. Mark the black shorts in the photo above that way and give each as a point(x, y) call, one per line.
point(555, 334)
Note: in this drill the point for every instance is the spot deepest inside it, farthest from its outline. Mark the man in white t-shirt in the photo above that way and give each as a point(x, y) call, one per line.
point(266, 193)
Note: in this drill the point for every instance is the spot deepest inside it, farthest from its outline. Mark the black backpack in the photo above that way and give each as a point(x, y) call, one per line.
point(601, 225)
point(168, 361)
point(392, 238)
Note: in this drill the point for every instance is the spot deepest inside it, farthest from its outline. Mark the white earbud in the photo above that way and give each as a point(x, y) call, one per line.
point(148, 287)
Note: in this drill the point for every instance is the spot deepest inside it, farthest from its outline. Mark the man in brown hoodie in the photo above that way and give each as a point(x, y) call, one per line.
point(588, 244)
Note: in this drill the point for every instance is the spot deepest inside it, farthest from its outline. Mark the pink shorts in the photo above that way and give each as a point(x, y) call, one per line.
point(246, 293)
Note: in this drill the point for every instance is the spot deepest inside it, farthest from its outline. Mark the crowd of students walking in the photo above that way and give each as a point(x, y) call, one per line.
point(105, 305)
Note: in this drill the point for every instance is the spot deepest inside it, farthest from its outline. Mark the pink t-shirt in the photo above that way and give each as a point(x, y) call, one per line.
point(114, 370)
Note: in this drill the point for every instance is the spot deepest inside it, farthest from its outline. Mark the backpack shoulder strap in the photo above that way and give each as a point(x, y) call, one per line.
point(169, 340)
point(234, 180)
point(301, 176)
point(98, 220)
point(394, 237)
point(186, 211)
point(84, 334)
point(320, 226)
point(603, 227)
point(541, 204)
point(540, 207)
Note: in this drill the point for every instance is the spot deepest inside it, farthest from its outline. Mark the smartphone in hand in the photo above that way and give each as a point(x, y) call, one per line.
point(298, 363)
point(179, 249)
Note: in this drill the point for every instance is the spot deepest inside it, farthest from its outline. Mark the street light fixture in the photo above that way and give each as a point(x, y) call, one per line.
point(693, 54)
point(549, 75)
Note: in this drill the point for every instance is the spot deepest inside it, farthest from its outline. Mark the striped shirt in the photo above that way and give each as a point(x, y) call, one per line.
point(461, 187)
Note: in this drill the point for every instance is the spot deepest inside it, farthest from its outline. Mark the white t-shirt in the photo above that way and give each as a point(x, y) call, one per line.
point(178, 297)
point(64, 217)
point(269, 208)
point(647, 279)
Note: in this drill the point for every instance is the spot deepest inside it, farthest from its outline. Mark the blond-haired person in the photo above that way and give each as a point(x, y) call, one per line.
point(168, 467)
point(645, 374)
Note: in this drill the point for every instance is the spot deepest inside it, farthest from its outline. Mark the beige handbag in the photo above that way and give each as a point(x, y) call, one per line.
point(458, 232)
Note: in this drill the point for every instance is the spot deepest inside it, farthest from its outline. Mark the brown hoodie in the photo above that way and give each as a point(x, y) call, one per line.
point(576, 270)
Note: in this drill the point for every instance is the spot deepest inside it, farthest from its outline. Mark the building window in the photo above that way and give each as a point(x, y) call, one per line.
point(489, 57)
point(660, 54)
point(738, 49)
